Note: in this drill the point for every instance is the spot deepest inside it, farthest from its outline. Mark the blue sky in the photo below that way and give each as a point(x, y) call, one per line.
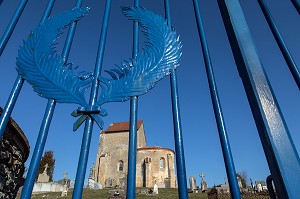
point(201, 141)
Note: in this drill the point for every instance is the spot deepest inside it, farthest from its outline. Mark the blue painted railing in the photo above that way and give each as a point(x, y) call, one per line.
point(280, 151)
point(282, 46)
point(229, 164)
point(178, 137)
point(297, 5)
point(19, 81)
point(12, 24)
point(132, 144)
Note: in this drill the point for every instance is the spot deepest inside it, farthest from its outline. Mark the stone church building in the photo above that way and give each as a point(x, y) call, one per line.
point(154, 164)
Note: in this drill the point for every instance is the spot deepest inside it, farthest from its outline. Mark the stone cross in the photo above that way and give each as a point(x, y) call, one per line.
point(202, 176)
point(65, 175)
point(203, 183)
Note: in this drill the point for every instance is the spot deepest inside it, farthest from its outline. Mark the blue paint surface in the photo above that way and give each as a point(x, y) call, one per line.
point(198, 122)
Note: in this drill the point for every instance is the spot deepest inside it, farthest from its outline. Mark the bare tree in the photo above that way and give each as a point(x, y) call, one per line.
point(244, 178)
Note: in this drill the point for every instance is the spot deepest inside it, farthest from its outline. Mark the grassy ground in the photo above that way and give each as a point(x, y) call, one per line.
point(104, 193)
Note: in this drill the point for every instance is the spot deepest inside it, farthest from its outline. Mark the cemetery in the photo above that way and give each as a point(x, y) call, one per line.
point(163, 194)
point(84, 79)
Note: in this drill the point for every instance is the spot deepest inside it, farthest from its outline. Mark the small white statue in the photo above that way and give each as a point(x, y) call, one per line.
point(155, 189)
point(45, 169)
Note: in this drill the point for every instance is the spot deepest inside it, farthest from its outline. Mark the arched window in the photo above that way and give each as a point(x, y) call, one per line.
point(148, 159)
point(162, 163)
point(120, 165)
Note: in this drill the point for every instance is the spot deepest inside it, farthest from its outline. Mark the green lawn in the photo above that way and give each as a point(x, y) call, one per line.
point(104, 193)
point(163, 194)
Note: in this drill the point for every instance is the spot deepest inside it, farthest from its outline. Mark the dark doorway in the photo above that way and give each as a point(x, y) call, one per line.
point(144, 173)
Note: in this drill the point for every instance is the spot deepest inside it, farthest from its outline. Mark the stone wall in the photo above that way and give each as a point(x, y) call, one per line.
point(113, 147)
point(14, 151)
point(42, 187)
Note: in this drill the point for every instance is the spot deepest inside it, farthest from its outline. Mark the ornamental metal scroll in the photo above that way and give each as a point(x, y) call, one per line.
point(52, 78)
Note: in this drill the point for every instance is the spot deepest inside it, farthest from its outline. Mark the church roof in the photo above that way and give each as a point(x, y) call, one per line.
point(154, 148)
point(120, 127)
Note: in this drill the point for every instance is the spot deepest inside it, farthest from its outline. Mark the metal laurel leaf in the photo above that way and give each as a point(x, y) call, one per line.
point(161, 55)
point(48, 74)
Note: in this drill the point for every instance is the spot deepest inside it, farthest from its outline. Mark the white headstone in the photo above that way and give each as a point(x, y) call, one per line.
point(43, 177)
point(259, 187)
point(155, 189)
point(64, 191)
point(239, 182)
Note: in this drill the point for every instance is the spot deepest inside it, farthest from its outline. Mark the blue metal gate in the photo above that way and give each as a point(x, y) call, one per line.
point(53, 78)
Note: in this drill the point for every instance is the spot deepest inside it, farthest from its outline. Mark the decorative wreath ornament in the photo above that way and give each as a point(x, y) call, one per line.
point(52, 78)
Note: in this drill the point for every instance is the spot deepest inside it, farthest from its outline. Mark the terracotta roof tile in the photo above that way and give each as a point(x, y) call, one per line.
point(120, 126)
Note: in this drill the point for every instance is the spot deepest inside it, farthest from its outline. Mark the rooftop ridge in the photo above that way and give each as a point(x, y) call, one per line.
point(120, 127)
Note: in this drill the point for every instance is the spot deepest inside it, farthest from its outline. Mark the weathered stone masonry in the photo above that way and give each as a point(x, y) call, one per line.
point(154, 164)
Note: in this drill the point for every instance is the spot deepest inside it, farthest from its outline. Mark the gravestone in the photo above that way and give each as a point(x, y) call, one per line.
point(239, 182)
point(122, 182)
point(43, 177)
point(258, 186)
point(193, 185)
point(65, 185)
point(167, 183)
point(203, 183)
point(64, 191)
point(108, 183)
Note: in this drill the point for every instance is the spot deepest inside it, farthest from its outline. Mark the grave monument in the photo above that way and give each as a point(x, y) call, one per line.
point(203, 183)
point(193, 185)
point(43, 177)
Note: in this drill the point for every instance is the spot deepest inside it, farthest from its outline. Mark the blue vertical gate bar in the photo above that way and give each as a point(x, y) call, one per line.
point(44, 129)
point(132, 145)
point(42, 137)
point(297, 5)
point(10, 103)
point(280, 152)
point(227, 155)
point(38, 151)
point(284, 49)
point(179, 149)
point(12, 24)
point(87, 135)
point(19, 81)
